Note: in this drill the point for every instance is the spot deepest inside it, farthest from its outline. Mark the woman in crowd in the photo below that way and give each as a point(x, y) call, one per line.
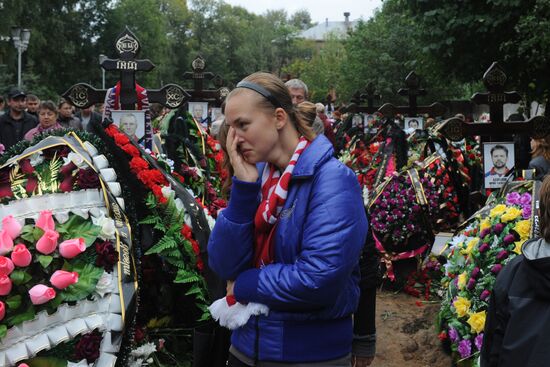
point(540, 152)
point(66, 117)
point(291, 235)
point(517, 329)
point(47, 120)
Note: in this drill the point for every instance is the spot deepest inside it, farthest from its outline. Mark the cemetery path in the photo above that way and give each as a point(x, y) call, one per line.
point(406, 332)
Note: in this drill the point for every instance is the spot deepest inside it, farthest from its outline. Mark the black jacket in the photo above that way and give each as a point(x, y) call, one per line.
point(9, 132)
point(94, 117)
point(517, 329)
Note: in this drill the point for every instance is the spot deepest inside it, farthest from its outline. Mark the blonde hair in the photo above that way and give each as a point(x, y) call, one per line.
point(300, 116)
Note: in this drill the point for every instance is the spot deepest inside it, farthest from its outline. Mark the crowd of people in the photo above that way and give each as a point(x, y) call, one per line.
point(24, 116)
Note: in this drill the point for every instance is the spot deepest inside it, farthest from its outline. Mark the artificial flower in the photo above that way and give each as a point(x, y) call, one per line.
point(61, 279)
point(2, 310)
point(497, 210)
point(462, 306)
point(107, 256)
point(87, 179)
point(478, 341)
point(88, 347)
point(6, 265)
point(71, 248)
point(462, 280)
point(518, 245)
point(41, 294)
point(104, 284)
point(471, 244)
point(48, 242)
point(12, 226)
point(6, 242)
point(465, 348)
point(21, 255)
point(511, 214)
point(5, 285)
point(36, 158)
point(523, 228)
point(477, 321)
point(45, 220)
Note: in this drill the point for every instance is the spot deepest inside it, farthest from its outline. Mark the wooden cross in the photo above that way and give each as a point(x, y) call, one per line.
point(358, 98)
point(198, 76)
point(494, 80)
point(413, 90)
point(83, 95)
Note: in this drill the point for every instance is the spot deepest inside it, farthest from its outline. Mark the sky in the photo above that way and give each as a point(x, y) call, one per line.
point(319, 9)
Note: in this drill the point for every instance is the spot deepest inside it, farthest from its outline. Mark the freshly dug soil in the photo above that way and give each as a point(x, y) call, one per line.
point(406, 333)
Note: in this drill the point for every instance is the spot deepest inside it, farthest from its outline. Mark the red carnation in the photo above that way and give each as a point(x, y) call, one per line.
point(131, 150)
point(121, 139)
point(186, 232)
point(138, 164)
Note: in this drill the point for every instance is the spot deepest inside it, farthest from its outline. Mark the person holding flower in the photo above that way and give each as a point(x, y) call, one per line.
point(291, 236)
point(517, 327)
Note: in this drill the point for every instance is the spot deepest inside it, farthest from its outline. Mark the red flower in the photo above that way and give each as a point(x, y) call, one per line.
point(131, 150)
point(186, 232)
point(157, 191)
point(31, 185)
point(111, 130)
point(138, 164)
point(178, 177)
point(67, 184)
point(121, 139)
point(442, 336)
point(26, 167)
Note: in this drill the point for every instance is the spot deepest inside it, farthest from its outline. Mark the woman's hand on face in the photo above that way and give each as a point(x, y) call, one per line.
point(244, 171)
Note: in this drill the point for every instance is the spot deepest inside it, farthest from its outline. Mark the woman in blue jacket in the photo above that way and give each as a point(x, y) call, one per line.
point(291, 235)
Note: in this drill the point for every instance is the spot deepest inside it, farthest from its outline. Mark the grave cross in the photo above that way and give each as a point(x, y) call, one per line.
point(494, 80)
point(83, 95)
point(358, 98)
point(128, 49)
point(413, 90)
point(198, 76)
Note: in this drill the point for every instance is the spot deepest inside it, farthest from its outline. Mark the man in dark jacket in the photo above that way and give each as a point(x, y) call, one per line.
point(517, 329)
point(15, 123)
point(88, 117)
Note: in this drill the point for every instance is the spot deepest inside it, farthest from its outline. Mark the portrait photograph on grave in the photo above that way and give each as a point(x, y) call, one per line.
point(216, 113)
point(357, 120)
point(369, 120)
point(199, 111)
point(132, 122)
point(498, 163)
point(414, 123)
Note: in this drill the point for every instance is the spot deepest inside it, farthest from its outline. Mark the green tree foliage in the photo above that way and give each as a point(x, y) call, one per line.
point(61, 46)
point(468, 36)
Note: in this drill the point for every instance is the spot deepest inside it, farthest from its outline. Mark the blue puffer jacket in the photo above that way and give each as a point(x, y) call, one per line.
point(312, 288)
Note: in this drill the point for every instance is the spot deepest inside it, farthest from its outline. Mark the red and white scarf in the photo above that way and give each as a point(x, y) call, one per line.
point(274, 193)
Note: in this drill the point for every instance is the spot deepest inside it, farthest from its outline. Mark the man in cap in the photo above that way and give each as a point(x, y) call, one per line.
point(15, 123)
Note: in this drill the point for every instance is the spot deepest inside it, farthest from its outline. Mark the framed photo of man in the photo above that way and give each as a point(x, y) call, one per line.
point(414, 123)
point(498, 163)
point(199, 111)
point(357, 120)
point(132, 122)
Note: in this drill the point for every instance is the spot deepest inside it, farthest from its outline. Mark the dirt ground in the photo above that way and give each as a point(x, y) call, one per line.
point(406, 335)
